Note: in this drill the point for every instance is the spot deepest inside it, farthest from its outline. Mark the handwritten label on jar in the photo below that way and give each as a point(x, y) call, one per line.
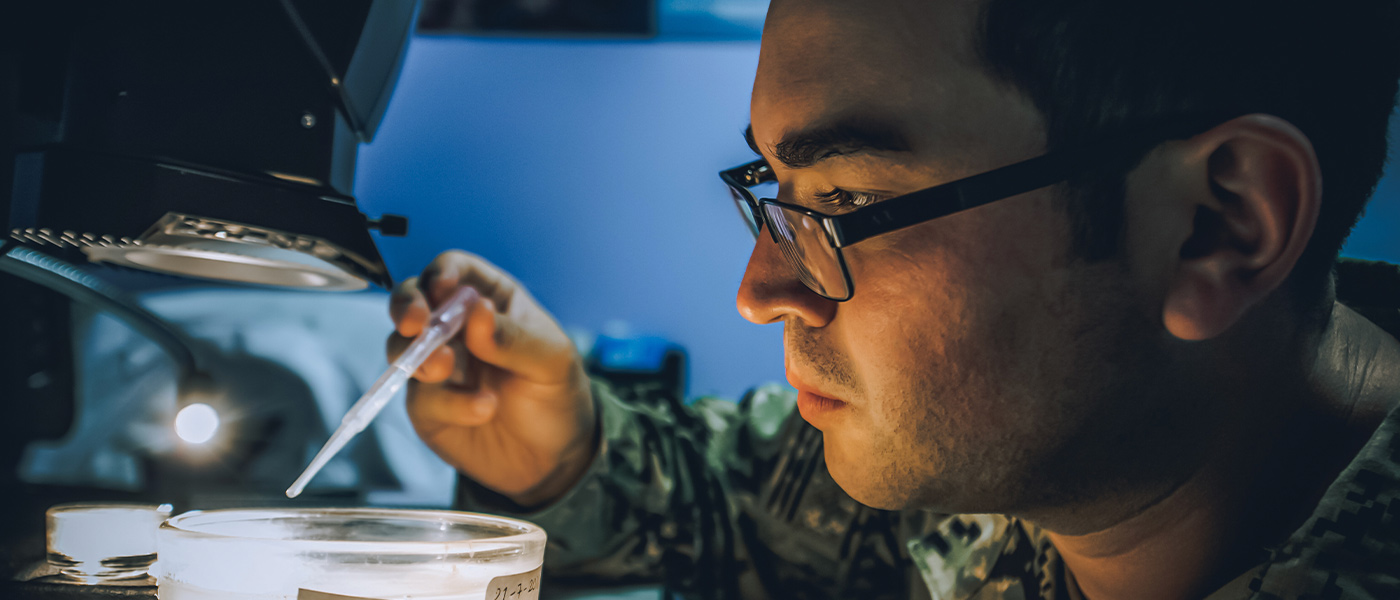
point(524, 586)
point(314, 595)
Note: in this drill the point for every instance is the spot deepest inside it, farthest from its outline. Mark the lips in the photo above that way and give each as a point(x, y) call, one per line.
point(813, 406)
point(816, 408)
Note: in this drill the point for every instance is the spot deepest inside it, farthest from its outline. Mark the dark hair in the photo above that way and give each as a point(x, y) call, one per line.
point(1099, 68)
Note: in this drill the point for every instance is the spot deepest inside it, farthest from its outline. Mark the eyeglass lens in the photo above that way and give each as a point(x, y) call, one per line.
point(804, 243)
point(745, 211)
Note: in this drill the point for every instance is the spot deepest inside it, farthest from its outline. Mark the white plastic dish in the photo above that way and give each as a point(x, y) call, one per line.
point(284, 554)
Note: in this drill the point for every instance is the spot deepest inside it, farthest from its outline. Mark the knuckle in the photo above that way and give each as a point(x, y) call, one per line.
point(405, 294)
point(504, 335)
point(460, 256)
point(398, 306)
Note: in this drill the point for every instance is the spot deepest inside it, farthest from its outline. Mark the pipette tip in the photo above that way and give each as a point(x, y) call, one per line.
point(446, 321)
point(293, 491)
point(299, 485)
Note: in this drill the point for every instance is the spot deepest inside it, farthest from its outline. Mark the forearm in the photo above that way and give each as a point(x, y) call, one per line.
point(655, 502)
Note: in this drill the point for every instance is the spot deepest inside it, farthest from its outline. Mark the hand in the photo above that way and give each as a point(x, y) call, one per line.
point(507, 401)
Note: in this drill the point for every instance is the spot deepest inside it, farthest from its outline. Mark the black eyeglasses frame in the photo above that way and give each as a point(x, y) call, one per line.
point(925, 205)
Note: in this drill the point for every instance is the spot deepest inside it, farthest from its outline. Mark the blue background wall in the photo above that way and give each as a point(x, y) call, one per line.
point(1375, 237)
point(587, 169)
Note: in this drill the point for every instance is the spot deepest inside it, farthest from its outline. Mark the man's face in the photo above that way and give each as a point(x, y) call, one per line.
point(963, 367)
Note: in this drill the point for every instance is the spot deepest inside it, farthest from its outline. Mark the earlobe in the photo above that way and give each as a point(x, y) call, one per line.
point(1202, 305)
point(1251, 223)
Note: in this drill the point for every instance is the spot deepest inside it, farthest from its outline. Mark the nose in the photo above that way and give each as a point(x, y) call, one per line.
point(771, 292)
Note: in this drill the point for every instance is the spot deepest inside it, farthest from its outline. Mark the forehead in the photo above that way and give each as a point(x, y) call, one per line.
point(911, 63)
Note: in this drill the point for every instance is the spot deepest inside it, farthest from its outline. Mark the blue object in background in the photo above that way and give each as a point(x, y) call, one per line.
point(711, 19)
point(674, 19)
point(631, 354)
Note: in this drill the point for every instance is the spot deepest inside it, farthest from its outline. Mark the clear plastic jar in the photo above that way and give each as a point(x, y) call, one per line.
point(99, 543)
point(275, 554)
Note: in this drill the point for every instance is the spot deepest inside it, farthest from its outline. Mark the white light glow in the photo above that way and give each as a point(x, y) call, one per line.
point(197, 423)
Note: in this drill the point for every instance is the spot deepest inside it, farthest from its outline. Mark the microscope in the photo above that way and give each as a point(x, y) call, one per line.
point(150, 143)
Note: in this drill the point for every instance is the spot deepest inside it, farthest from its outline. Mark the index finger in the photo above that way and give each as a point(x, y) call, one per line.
point(408, 308)
point(455, 268)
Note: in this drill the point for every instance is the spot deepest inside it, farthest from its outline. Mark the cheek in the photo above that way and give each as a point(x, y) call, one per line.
point(914, 306)
point(902, 332)
point(944, 329)
point(898, 317)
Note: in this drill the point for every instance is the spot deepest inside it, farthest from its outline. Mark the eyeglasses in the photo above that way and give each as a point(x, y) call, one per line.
point(813, 242)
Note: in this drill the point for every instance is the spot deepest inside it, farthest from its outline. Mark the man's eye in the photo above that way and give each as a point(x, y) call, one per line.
point(840, 199)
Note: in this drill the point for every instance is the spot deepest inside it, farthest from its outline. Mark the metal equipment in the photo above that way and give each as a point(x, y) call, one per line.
point(208, 140)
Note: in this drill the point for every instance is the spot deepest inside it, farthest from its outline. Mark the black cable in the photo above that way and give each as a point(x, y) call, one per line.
point(81, 286)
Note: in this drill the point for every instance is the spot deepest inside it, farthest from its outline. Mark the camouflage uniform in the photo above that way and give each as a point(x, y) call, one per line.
point(725, 500)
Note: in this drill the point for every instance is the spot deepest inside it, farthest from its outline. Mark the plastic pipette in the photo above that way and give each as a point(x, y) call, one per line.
point(444, 323)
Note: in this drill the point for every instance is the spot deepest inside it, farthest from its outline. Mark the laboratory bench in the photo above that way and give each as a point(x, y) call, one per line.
point(35, 581)
point(52, 588)
point(26, 575)
point(48, 589)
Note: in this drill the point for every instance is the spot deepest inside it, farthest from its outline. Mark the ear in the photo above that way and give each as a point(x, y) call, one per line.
point(1254, 213)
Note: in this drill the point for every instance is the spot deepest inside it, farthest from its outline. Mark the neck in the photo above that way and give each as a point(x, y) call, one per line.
point(1210, 528)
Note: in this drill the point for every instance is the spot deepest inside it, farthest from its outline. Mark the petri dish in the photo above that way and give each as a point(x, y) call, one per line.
point(392, 554)
point(98, 543)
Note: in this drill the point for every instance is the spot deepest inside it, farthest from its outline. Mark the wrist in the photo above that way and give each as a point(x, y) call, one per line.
point(574, 461)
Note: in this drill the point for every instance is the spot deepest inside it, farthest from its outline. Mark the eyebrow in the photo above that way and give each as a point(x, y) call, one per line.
point(841, 137)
